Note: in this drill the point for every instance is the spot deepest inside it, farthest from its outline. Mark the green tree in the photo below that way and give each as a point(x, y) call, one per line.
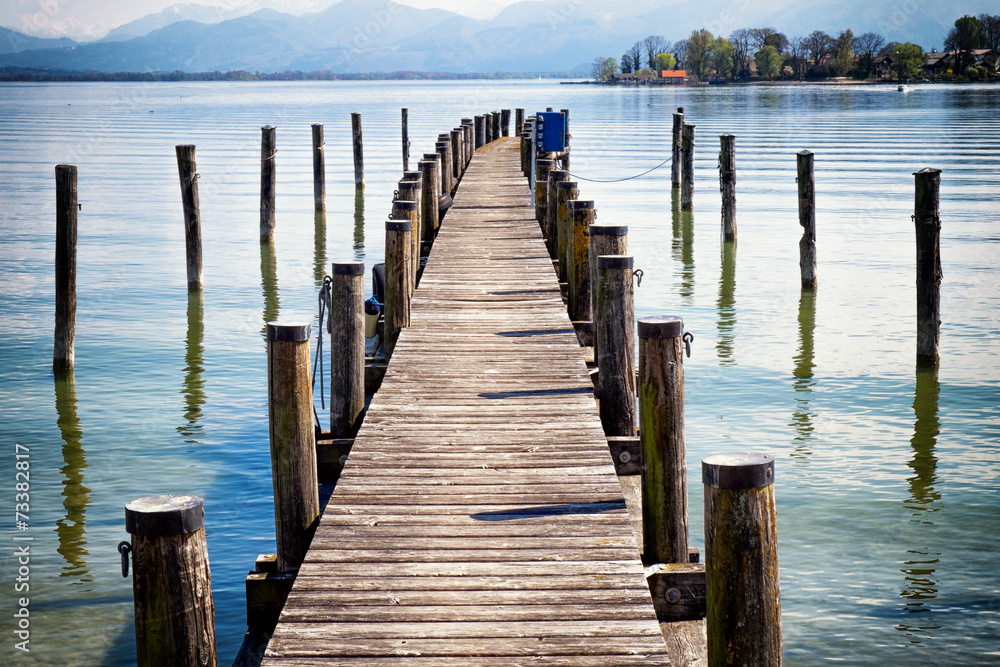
point(967, 35)
point(699, 46)
point(845, 52)
point(603, 69)
point(721, 57)
point(635, 54)
point(906, 60)
point(768, 61)
point(818, 43)
point(654, 44)
point(663, 61)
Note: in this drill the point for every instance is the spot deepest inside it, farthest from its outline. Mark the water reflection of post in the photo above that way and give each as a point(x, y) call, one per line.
point(804, 365)
point(269, 283)
point(194, 356)
point(727, 304)
point(76, 497)
point(687, 254)
point(319, 248)
point(919, 566)
point(359, 225)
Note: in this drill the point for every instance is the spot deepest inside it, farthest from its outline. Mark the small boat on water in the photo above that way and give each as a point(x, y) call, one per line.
point(901, 88)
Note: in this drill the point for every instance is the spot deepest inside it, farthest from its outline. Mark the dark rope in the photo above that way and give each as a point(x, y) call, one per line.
point(619, 180)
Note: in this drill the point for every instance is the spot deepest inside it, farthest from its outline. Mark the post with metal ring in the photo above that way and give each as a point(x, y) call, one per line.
point(429, 187)
point(548, 224)
point(268, 151)
point(580, 215)
point(559, 232)
point(171, 582)
point(743, 614)
point(542, 168)
point(614, 331)
point(397, 281)
point(604, 240)
point(319, 168)
point(187, 170)
point(347, 348)
point(407, 210)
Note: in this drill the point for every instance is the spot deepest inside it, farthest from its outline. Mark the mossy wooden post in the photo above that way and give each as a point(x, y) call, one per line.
point(580, 215)
point(566, 191)
point(359, 152)
point(727, 184)
point(268, 151)
point(457, 161)
point(743, 616)
point(187, 170)
point(542, 168)
point(411, 189)
point(468, 139)
point(319, 168)
point(347, 348)
point(480, 131)
point(293, 441)
point(518, 121)
point(171, 582)
point(548, 223)
point(614, 333)
point(661, 432)
point(64, 343)
point(807, 218)
point(928, 228)
point(687, 172)
point(604, 240)
point(406, 138)
point(676, 149)
point(407, 210)
point(397, 281)
point(429, 198)
point(505, 122)
point(443, 151)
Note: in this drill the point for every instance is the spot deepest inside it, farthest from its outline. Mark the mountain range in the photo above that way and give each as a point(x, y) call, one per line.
point(529, 36)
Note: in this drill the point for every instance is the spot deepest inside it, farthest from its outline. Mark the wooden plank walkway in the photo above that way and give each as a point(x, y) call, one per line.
point(479, 520)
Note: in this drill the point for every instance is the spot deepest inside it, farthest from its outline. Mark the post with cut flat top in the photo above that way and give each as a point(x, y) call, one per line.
point(171, 582)
point(548, 224)
point(676, 149)
point(661, 432)
point(293, 441)
point(581, 216)
point(604, 240)
point(928, 227)
point(188, 171)
point(444, 150)
point(687, 160)
point(807, 218)
point(406, 138)
point(457, 163)
point(411, 189)
point(429, 188)
point(505, 122)
point(347, 348)
point(727, 184)
point(359, 153)
point(468, 140)
point(407, 210)
point(614, 331)
point(268, 150)
point(64, 343)
point(319, 168)
point(496, 125)
point(397, 281)
point(743, 614)
point(518, 121)
point(480, 131)
point(566, 191)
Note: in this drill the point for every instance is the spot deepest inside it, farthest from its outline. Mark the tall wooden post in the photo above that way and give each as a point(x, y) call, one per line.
point(928, 228)
point(347, 348)
point(319, 168)
point(661, 431)
point(469, 139)
point(505, 122)
point(581, 217)
point(359, 153)
point(406, 139)
point(687, 175)
point(566, 191)
point(496, 125)
point(293, 441)
point(604, 240)
point(480, 131)
point(743, 616)
point(614, 332)
point(807, 218)
point(411, 189)
point(429, 189)
point(518, 121)
point(171, 582)
point(268, 151)
point(565, 154)
point(188, 171)
point(542, 168)
point(407, 210)
point(444, 150)
point(727, 184)
point(548, 223)
point(457, 163)
point(676, 149)
point(64, 344)
point(397, 281)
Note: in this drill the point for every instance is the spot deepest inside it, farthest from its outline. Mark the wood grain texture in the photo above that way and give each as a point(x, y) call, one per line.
point(807, 218)
point(64, 343)
point(478, 520)
point(268, 152)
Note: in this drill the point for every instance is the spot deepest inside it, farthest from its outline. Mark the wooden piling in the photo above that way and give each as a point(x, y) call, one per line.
point(542, 168)
point(661, 432)
point(505, 122)
point(171, 582)
point(614, 333)
point(347, 348)
point(488, 127)
point(268, 150)
point(604, 240)
point(468, 139)
point(548, 223)
point(480, 131)
point(359, 153)
point(429, 198)
point(397, 281)
point(687, 173)
point(406, 138)
point(743, 616)
point(293, 441)
point(580, 215)
point(518, 121)
point(807, 218)
point(187, 170)
point(676, 149)
point(411, 189)
point(566, 191)
point(407, 210)
point(564, 156)
point(456, 153)
point(64, 344)
point(928, 228)
point(319, 168)
point(727, 184)
point(444, 150)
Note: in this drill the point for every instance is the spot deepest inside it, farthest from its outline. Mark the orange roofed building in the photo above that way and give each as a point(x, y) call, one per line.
point(673, 74)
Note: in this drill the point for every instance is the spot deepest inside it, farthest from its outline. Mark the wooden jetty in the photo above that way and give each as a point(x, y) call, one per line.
point(479, 519)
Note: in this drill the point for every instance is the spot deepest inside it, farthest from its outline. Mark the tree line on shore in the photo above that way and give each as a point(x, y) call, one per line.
point(767, 53)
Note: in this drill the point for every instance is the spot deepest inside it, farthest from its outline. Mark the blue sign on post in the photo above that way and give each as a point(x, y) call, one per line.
point(550, 131)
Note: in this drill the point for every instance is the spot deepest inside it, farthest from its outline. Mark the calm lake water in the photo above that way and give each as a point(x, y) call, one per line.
point(888, 511)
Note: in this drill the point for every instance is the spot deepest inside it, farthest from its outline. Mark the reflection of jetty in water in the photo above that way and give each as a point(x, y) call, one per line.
point(71, 529)
point(920, 564)
point(727, 304)
point(802, 418)
point(682, 246)
point(194, 358)
point(359, 225)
